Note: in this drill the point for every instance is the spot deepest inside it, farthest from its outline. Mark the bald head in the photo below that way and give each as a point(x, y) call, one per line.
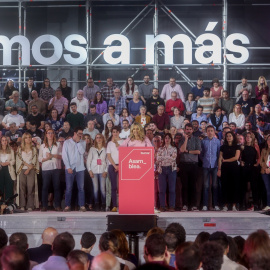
point(34, 94)
point(48, 235)
point(105, 261)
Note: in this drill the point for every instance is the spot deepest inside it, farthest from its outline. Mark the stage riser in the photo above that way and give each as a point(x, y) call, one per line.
point(33, 224)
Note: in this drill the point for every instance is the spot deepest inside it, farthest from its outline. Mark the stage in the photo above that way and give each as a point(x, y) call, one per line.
point(33, 223)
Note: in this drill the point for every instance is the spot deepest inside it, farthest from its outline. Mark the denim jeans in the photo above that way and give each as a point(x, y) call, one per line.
point(99, 183)
point(167, 173)
point(80, 184)
point(266, 180)
point(206, 179)
point(114, 183)
point(47, 177)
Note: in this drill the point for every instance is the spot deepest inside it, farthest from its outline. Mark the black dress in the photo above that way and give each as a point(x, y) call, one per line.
point(230, 175)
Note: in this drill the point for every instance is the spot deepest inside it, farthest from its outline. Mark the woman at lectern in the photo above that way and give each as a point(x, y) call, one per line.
point(137, 137)
point(167, 168)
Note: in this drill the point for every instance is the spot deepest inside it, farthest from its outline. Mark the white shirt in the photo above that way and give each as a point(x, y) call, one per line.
point(92, 163)
point(27, 157)
point(82, 105)
point(3, 157)
point(239, 121)
point(10, 118)
point(54, 163)
point(231, 265)
point(130, 95)
point(113, 150)
point(124, 134)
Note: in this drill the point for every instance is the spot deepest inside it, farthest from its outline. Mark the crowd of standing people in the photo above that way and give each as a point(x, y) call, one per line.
point(62, 152)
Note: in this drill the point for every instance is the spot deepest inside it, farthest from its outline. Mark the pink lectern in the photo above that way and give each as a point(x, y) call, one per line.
point(136, 180)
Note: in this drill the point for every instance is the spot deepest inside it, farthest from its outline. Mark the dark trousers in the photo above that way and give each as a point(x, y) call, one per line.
point(48, 177)
point(230, 182)
point(178, 191)
point(250, 174)
point(167, 173)
point(114, 179)
point(266, 180)
point(189, 174)
point(88, 188)
point(6, 183)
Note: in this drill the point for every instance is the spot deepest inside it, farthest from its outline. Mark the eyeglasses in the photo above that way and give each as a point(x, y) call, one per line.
point(79, 134)
point(50, 133)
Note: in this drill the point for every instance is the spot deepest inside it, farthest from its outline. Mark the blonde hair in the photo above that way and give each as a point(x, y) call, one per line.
point(23, 141)
point(123, 249)
point(103, 141)
point(252, 137)
point(236, 106)
point(8, 149)
point(141, 131)
point(259, 84)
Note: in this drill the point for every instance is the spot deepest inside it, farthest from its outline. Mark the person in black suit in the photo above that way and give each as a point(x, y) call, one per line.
point(26, 92)
point(42, 253)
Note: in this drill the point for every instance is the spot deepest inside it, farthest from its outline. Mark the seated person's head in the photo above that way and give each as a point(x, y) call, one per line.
point(155, 247)
point(14, 258)
point(63, 244)
point(188, 259)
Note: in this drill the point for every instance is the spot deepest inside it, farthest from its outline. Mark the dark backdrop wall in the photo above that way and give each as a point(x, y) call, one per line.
point(111, 17)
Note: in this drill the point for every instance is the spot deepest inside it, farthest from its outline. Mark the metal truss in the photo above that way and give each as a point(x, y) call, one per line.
point(94, 64)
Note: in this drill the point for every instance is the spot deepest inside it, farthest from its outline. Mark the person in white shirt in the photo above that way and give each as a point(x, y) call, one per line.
point(13, 117)
point(125, 132)
point(113, 157)
point(27, 167)
point(237, 116)
point(91, 129)
point(97, 167)
point(50, 155)
point(222, 239)
point(82, 103)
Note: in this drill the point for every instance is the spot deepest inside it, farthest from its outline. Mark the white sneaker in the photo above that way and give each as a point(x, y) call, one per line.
point(225, 209)
point(184, 208)
point(217, 208)
point(156, 211)
point(204, 208)
point(194, 209)
point(234, 208)
point(266, 208)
